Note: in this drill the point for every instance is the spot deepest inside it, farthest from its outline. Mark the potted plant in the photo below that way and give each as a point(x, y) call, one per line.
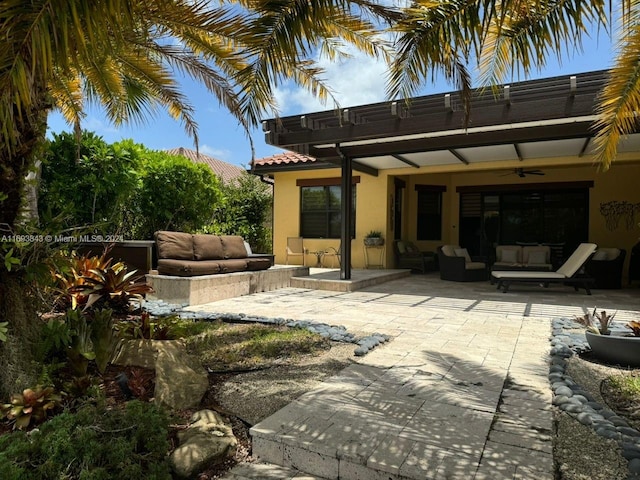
point(612, 345)
point(373, 238)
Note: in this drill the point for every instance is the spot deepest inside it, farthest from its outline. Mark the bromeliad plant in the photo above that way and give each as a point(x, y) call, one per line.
point(635, 327)
point(31, 406)
point(93, 282)
point(604, 321)
point(113, 287)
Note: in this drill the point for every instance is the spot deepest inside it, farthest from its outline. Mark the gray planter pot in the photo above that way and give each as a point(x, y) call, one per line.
point(615, 348)
point(373, 241)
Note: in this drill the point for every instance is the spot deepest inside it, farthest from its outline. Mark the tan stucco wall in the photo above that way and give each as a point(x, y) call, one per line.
point(374, 201)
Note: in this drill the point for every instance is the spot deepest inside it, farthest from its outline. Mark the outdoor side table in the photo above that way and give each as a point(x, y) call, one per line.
point(319, 256)
point(378, 254)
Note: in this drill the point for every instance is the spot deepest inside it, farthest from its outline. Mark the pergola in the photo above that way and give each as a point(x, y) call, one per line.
point(551, 117)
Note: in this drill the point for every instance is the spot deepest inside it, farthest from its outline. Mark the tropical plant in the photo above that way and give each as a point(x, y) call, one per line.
point(124, 55)
point(604, 321)
point(113, 286)
point(517, 38)
point(635, 327)
point(70, 271)
point(151, 328)
point(104, 337)
point(31, 406)
point(374, 234)
point(80, 350)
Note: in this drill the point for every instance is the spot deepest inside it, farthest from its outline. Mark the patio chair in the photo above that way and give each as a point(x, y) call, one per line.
point(407, 255)
point(570, 273)
point(295, 248)
point(456, 265)
point(606, 267)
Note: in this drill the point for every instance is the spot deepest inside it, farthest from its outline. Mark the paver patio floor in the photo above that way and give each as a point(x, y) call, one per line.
point(461, 391)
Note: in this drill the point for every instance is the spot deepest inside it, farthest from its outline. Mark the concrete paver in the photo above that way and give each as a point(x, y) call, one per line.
point(461, 392)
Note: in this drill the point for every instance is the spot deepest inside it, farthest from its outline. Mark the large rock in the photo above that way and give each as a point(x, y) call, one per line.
point(208, 440)
point(180, 380)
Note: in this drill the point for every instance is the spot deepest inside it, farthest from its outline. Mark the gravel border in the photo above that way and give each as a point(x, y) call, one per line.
point(567, 340)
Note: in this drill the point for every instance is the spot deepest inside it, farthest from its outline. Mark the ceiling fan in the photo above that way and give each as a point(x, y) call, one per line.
point(521, 172)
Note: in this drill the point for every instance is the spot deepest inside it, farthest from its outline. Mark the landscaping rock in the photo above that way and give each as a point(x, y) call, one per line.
point(207, 441)
point(180, 380)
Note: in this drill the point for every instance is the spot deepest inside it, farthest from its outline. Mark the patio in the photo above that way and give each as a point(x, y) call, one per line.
point(460, 393)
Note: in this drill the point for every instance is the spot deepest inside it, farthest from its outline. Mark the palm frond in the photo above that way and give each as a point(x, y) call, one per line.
point(619, 102)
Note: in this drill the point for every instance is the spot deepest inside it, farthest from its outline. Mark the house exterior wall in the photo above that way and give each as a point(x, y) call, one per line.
point(375, 201)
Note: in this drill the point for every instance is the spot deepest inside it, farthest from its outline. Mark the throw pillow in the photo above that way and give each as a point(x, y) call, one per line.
point(462, 252)
point(510, 256)
point(600, 255)
point(537, 258)
point(411, 248)
point(401, 248)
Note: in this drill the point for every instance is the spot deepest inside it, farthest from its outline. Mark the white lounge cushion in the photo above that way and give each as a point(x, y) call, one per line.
point(450, 250)
point(509, 256)
point(462, 252)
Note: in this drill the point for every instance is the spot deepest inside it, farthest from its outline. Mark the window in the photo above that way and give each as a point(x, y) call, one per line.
point(320, 211)
point(429, 222)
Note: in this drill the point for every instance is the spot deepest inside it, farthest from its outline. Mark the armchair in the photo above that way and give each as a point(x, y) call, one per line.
point(407, 255)
point(456, 265)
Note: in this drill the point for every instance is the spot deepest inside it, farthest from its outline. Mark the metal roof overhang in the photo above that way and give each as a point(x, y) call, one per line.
point(536, 119)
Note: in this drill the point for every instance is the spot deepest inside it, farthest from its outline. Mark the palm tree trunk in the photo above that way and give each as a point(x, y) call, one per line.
point(17, 157)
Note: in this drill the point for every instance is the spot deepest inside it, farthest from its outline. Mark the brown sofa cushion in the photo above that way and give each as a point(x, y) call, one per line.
point(187, 268)
point(233, 246)
point(207, 247)
point(232, 265)
point(174, 245)
point(254, 264)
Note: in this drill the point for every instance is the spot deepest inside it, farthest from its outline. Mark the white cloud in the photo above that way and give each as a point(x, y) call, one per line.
point(354, 81)
point(220, 154)
point(96, 125)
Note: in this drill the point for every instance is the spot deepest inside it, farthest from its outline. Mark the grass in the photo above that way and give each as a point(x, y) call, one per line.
point(626, 385)
point(239, 347)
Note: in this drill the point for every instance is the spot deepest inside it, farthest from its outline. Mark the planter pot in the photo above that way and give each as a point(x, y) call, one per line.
point(615, 348)
point(373, 241)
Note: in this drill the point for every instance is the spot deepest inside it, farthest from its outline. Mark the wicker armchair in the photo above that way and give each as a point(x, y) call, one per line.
point(456, 265)
point(606, 267)
point(407, 255)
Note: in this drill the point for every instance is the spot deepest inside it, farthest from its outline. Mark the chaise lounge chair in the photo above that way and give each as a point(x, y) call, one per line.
point(567, 274)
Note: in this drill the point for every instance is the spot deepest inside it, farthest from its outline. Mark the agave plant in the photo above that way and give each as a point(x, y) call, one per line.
point(603, 318)
point(31, 406)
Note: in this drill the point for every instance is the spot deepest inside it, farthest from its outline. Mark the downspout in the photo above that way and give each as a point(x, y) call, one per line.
point(346, 205)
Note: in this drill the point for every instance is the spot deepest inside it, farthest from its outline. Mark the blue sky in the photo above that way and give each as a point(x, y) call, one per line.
point(359, 80)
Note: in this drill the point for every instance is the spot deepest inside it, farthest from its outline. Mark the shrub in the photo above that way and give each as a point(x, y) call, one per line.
point(174, 194)
point(245, 210)
point(91, 444)
point(89, 182)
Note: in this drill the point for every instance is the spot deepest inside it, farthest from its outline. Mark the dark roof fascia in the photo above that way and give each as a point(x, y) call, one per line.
point(529, 101)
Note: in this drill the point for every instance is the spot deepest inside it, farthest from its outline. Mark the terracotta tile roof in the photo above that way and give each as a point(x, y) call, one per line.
point(286, 158)
point(225, 171)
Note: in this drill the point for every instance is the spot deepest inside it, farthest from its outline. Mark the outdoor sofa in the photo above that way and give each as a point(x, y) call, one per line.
point(518, 257)
point(570, 273)
point(185, 254)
